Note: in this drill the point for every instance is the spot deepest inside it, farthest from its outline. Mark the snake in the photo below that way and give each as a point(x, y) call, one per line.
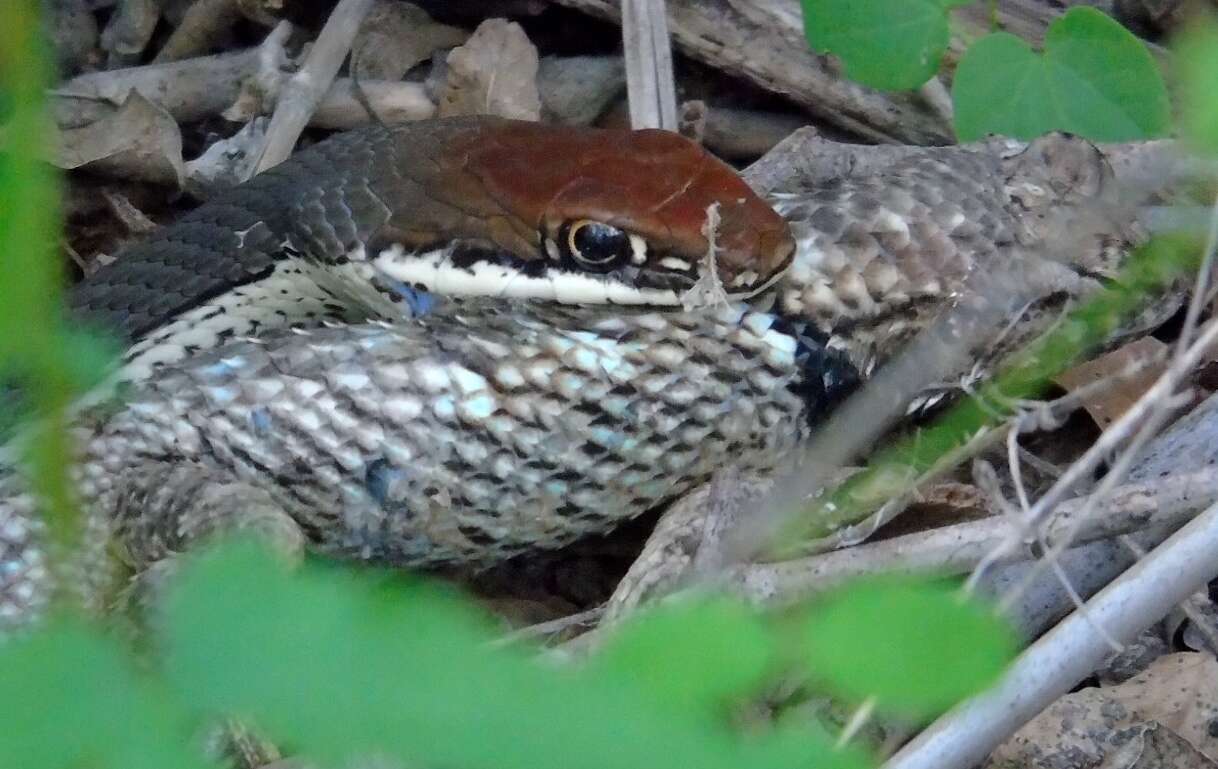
point(444, 344)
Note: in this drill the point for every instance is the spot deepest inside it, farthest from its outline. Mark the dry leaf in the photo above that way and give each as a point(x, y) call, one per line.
point(139, 142)
point(395, 37)
point(1108, 404)
point(1156, 747)
point(1178, 693)
point(494, 73)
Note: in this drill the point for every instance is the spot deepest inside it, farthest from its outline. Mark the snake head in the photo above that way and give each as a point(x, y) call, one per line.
point(588, 215)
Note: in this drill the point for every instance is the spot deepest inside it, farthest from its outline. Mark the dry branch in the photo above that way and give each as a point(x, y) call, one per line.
point(1071, 651)
point(763, 42)
point(303, 92)
point(957, 549)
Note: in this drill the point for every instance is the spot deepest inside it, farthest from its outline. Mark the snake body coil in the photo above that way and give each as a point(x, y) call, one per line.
point(491, 425)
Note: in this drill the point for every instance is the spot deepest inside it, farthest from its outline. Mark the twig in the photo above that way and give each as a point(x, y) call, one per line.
point(1069, 652)
point(552, 627)
point(1093, 500)
point(1119, 431)
point(959, 548)
point(301, 94)
point(649, 80)
point(1204, 274)
point(935, 94)
point(1188, 607)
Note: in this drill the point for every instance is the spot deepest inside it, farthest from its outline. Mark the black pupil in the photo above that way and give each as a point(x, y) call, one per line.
point(600, 244)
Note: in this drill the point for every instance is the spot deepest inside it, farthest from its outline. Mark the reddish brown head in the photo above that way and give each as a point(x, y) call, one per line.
point(606, 206)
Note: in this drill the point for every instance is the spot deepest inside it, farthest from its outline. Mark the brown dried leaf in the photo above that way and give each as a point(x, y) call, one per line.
point(1107, 404)
point(940, 504)
point(494, 73)
point(139, 142)
point(395, 37)
point(1092, 727)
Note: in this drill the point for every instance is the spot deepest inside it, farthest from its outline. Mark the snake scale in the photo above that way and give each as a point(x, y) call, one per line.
point(448, 343)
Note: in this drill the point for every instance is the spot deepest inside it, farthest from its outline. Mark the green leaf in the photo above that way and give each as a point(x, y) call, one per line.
point(72, 698)
point(890, 44)
point(696, 656)
point(1197, 75)
point(915, 647)
point(341, 664)
point(1094, 79)
point(30, 270)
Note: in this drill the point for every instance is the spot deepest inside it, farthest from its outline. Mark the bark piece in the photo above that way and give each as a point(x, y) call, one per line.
point(188, 90)
point(392, 103)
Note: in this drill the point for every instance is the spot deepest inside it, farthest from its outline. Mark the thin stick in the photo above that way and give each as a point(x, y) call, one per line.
point(1200, 287)
point(960, 547)
point(1117, 433)
point(303, 91)
point(651, 89)
point(1068, 653)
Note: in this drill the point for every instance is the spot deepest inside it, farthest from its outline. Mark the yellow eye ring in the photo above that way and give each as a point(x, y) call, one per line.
point(597, 246)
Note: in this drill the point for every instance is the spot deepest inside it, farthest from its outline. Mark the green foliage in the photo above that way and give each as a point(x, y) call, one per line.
point(693, 655)
point(1094, 79)
point(49, 363)
point(336, 664)
point(1197, 74)
point(339, 665)
point(917, 648)
point(893, 44)
point(70, 697)
point(30, 271)
point(894, 469)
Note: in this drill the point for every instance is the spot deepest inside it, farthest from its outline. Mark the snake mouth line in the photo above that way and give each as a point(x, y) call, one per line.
point(458, 270)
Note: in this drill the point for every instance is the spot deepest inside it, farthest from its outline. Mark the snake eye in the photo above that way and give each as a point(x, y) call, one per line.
point(597, 246)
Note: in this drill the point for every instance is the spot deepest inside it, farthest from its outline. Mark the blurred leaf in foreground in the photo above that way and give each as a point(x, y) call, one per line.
point(697, 656)
point(1197, 74)
point(72, 698)
point(916, 647)
point(341, 665)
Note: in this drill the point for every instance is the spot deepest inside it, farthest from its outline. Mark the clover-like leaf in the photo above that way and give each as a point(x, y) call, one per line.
point(1094, 79)
point(890, 44)
point(916, 647)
